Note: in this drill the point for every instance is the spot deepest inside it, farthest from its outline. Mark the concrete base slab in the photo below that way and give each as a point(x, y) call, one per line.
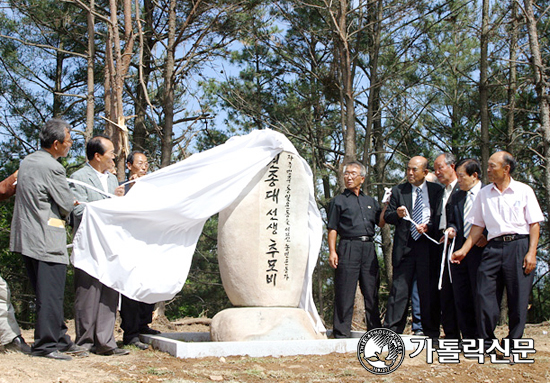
point(198, 345)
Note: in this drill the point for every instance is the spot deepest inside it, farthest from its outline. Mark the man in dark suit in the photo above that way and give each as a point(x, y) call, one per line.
point(444, 168)
point(95, 304)
point(136, 315)
point(42, 203)
point(464, 274)
point(418, 200)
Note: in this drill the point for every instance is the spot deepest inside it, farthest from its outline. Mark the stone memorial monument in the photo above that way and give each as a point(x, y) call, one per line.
point(263, 247)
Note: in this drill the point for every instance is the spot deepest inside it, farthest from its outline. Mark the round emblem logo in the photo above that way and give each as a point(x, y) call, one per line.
point(381, 351)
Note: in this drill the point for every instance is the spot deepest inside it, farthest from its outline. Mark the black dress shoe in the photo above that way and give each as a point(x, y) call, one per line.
point(56, 355)
point(76, 350)
point(115, 351)
point(18, 344)
point(149, 331)
point(138, 344)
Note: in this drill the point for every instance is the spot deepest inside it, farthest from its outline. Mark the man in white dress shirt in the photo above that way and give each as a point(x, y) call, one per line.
point(510, 212)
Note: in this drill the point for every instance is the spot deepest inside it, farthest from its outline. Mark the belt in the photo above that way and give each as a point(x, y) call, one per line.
point(363, 238)
point(509, 237)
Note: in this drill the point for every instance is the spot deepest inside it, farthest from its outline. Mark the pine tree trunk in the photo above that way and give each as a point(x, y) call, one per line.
point(90, 97)
point(167, 139)
point(483, 89)
point(542, 87)
point(512, 81)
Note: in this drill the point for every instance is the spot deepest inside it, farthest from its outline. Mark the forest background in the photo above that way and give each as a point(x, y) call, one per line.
point(377, 81)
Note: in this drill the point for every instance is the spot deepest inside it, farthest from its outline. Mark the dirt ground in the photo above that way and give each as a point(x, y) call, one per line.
point(155, 366)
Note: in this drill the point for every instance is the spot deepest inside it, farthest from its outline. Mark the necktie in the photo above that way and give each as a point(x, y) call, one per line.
point(467, 208)
point(417, 214)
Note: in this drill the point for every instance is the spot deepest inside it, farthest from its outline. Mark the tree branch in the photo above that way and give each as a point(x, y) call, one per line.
point(28, 43)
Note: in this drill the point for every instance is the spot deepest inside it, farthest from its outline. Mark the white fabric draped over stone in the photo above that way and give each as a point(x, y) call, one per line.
point(142, 244)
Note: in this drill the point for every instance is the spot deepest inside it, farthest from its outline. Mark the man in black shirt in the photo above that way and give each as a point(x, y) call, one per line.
point(352, 216)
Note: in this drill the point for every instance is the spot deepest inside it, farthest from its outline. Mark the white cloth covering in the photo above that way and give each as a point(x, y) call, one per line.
point(142, 244)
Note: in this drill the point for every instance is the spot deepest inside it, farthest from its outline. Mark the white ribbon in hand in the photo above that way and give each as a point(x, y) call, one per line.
point(407, 217)
point(446, 256)
point(90, 187)
point(387, 195)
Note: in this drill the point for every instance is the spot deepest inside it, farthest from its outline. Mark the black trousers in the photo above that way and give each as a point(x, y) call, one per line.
point(502, 265)
point(357, 262)
point(135, 316)
point(48, 281)
point(449, 319)
point(464, 291)
point(448, 314)
point(417, 260)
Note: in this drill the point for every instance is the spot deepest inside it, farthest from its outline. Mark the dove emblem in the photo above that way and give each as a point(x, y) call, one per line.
point(381, 351)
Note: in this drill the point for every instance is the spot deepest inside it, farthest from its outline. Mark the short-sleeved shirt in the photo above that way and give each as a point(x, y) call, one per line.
point(353, 216)
point(507, 212)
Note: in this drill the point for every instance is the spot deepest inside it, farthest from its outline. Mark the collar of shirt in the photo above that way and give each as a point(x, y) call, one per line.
point(348, 192)
point(422, 187)
point(450, 187)
point(446, 194)
point(103, 177)
point(475, 189)
point(512, 186)
point(447, 190)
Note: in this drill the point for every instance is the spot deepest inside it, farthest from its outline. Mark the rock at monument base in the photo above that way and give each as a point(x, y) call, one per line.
point(262, 323)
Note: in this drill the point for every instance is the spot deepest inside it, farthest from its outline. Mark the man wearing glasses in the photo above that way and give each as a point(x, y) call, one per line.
point(352, 215)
